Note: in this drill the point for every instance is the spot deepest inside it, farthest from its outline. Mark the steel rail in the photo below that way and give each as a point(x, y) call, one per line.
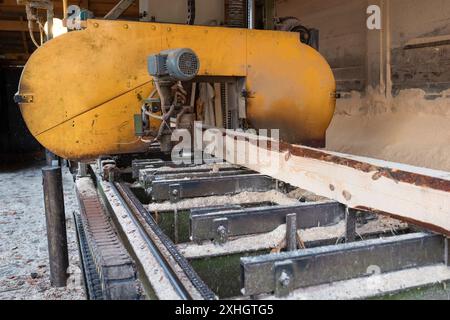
point(153, 249)
point(136, 209)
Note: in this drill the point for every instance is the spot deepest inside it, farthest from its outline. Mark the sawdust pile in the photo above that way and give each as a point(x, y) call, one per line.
point(272, 196)
point(408, 128)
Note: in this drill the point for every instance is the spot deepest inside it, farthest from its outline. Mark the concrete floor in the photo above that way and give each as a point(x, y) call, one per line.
point(24, 268)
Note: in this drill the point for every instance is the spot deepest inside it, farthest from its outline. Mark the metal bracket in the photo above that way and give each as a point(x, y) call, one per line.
point(23, 98)
point(221, 227)
point(138, 126)
point(175, 193)
point(82, 170)
point(101, 162)
point(257, 220)
point(291, 232)
point(284, 278)
point(350, 225)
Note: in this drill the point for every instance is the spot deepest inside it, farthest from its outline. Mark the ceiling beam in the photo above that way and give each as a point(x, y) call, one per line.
point(12, 25)
point(14, 56)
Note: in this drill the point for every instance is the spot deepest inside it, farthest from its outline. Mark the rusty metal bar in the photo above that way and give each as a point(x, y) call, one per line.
point(311, 267)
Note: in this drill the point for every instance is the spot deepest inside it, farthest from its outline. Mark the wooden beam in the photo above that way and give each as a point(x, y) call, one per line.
point(428, 42)
point(25, 40)
point(14, 56)
point(118, 9)
point(13, 25)
point(416, 195)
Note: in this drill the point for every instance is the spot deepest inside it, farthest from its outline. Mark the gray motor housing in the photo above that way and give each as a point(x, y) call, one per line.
point(176, 64)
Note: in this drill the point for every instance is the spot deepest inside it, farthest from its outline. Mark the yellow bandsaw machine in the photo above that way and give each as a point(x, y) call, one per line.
point(114, 87)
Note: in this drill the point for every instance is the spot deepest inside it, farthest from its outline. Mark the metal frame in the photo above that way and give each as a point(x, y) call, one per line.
point(246, 221)
point(202, 187)
point(322, 265)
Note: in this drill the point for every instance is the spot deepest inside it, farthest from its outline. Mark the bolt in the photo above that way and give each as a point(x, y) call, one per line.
point(284, 279)
point(222, 232)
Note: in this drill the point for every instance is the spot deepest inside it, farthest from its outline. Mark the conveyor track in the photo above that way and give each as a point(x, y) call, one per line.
point(166, 246)
point(109, 269)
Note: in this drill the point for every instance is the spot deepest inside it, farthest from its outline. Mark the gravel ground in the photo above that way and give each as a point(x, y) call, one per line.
point(24, 269)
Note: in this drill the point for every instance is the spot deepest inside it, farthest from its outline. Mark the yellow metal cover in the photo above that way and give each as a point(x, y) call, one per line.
point(85, 86)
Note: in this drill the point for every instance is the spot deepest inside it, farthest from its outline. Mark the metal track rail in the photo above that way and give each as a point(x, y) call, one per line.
point(114, 271)
point(91, 277)
point(188, 284)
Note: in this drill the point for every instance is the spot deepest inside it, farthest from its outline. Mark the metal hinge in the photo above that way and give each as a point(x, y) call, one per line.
point(23, 98)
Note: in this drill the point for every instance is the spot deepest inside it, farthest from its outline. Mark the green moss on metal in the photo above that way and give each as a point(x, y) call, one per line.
point(222, 274)
point(166, 221)
point(439, 291)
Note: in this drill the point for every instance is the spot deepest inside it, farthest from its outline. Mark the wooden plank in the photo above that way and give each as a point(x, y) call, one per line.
point(417, 195)
point(426, 68)
point(14, 56)
point(428, 42)
point(118, 9)
point(12, 25)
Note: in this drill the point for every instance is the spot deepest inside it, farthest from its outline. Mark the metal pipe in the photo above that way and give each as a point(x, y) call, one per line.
point(50, 24)
point(447, 252)
point(251, 14)
point(56, 225)
point(64, 9)
point(291, 232)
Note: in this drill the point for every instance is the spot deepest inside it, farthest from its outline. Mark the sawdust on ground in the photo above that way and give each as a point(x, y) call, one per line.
point(24, 266)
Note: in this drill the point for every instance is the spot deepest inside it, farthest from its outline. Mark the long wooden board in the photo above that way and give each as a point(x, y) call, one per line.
point(417, 195)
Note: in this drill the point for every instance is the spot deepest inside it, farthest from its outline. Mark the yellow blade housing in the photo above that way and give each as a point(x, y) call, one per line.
point(83, 88)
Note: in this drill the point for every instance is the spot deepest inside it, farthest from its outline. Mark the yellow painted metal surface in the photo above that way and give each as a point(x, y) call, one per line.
point(87, 85)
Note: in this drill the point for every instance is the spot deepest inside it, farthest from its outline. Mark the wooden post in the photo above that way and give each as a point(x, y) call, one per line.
point(56, 225)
